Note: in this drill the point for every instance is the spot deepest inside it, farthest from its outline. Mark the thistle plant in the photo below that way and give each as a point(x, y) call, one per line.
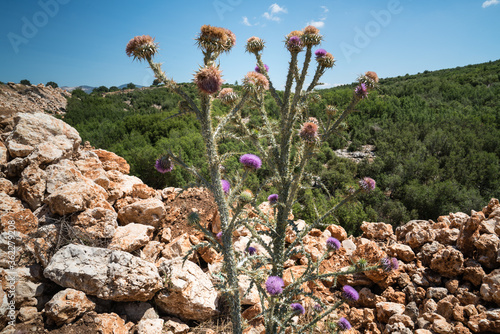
point(284, 146)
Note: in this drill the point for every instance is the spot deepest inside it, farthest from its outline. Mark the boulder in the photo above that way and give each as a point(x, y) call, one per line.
point(148, 212)
point(490, 289)
point(448, 262)
point(66, 305)
point(131, 237)
point(32, 186)
point(379, 231)
point(111, 161)
point(189, 293)
point(99, 223)
point(107, 274)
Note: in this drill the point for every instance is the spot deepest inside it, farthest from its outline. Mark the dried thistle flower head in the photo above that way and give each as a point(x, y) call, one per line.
point(141, 47)
point(309, 132)
point(254, 44)
point(372, 75)
point(370, 79)
point(227, 96)
point(327, 61)
point(255, 82)
point(311, 36)
point(313, 120)
point(208, 79)
point(297, 33)
point(215, 39)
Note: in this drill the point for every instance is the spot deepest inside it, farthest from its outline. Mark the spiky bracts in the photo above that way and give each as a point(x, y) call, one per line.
point(311, 36)
point(228, 96)
point(209, 79)
point(141, 47)
point(164, 164)
point(254, 44)
point(255, 82)
point(215, 39)
point(309, 132)
point(326, 60)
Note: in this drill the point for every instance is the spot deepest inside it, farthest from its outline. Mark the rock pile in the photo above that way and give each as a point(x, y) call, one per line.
point(98, 251)
point(34, 98)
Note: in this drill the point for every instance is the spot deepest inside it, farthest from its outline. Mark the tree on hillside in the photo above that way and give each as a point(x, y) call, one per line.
point(25, 82)
point(130, 86)
point(113, 89)
point(100, 89)
point(52, 84)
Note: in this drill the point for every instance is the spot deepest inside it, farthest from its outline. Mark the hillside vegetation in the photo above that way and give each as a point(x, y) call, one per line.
point(436, 134)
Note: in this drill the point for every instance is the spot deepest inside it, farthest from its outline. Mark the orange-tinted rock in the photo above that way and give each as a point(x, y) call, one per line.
point(379, 231)
point(337, 232)
point(23, 221)
point(111, 161)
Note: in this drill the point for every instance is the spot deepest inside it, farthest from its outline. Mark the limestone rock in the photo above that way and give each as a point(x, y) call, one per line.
point(448, 262)
point(96, 222)
point(379, 231)
point(120, 185)
point(152, 326)
point(486, 322)
point(23, 221)
point(131, 237)
point(401, 252)
point(148, 212)
point(490, 289)
point(487, 250)
point(111, 323)
point(111, 161)
point(66, 305)
point(62, 173)
point(178, 247)
point(107, 274)
point(32, 185)
point(77, 196)
point(189, 293)
point(415, 233)
point(385, 310)
point(337, 232)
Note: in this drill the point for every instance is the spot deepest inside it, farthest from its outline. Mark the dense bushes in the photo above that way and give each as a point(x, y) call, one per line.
point(436, 134)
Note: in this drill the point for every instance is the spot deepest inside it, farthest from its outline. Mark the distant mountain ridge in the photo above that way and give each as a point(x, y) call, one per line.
point(89, 89)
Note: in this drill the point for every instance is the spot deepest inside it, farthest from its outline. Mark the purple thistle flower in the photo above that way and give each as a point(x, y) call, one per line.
point(219, 236)
point(164, 164)
point(361, 91)
point(274, 285)
point(251, 161)
point(333, 243)
point(298, 308)
point(257, 68)
point(251, 250)
point(394, 263)
point(273, 199)
point(320, 53)
point(350, 293)
point(294, 43)
point(225, 185)
point(344, 324)
point(367, 184)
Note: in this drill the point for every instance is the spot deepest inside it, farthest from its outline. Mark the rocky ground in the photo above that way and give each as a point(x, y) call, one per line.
point(98, 251)
point(34, 98)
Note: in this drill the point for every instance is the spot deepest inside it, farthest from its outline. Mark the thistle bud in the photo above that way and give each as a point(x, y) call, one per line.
point(331, 110)
point(370, 79)
point(193, 218)
point(294, 44)
point(246, 196)
point(227, 96)
point(254, 44)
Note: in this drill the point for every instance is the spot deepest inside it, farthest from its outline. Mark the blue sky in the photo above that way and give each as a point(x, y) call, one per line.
point(82, 42)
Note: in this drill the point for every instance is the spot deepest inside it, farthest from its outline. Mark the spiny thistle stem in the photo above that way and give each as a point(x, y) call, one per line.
point(271, 87)
point(231, 114)
point(288, 86)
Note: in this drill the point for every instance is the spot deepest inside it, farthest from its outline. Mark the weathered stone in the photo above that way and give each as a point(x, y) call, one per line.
point(28, 314)
point(37, 128)
point(148, 212)
point(91, 167)
point(402, 252)
point(469, 232)
point(96, 222)
point(415, 233)
point(7, 187)
point(437, 293)
point(32, 185)
point(59, 147)
point(66, 305)
point(154, 326)
point(111, 323)
point(179, 247)
point(131, 237)
point(111, 161)
point(394, 296)
point(368, 299)
point(120, 185)
point(17, 150)
point(107, 274)
point(385, 310)
point(23, 221)
point(59, 174)
point(485, 322)
point(291, 232)
point(487, 250)
point(189, 293)
point(337, 232)
point(448, 262)
point(380, 231)
point(15, 167)
point(152, 251)
point(77, 196)
point(4, 154)
point(9, 204)
point(474, 275)
point(490, 289)
point(176, 326)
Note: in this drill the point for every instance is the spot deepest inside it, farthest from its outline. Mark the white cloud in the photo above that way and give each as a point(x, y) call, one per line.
point(490, 3)
point(317, 24)
point(245, 21)
point(273, 10)
point(325, 9)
